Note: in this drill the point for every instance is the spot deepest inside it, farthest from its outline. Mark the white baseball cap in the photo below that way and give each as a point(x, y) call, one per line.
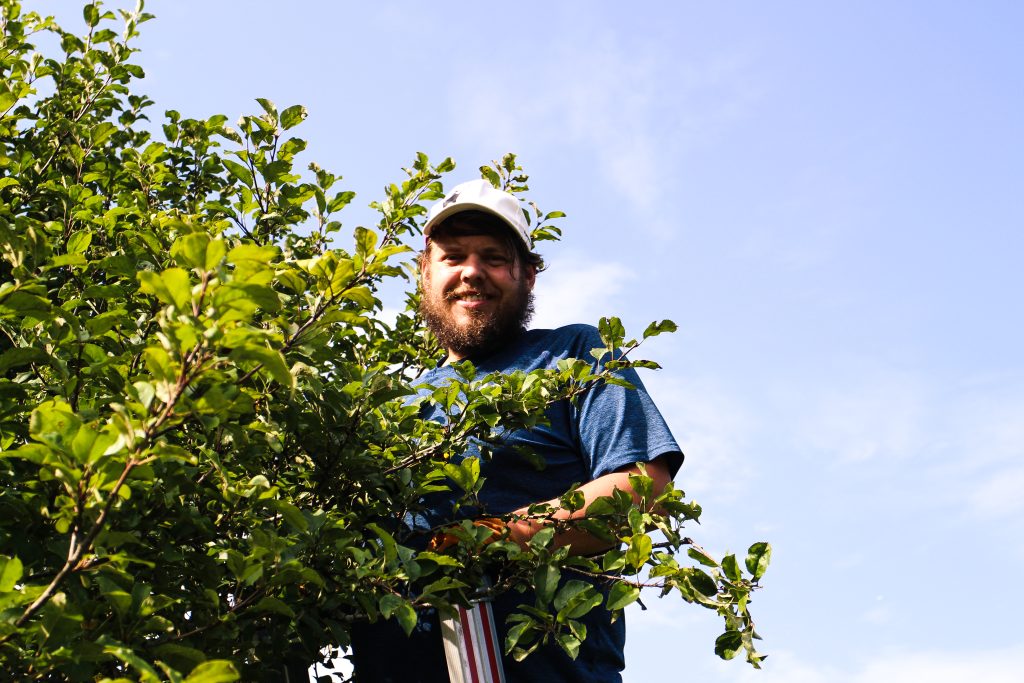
point(480, 195)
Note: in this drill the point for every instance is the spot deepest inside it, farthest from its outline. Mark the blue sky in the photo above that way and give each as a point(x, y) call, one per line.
point(828, 198)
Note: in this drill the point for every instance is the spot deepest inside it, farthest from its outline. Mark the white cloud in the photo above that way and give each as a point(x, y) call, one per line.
point(999, 496)
point(574, 290)
point(878, 613)
point(989, 665)
point(876, 415)
point(927, 444)
point(625, 107)
point(714, 429)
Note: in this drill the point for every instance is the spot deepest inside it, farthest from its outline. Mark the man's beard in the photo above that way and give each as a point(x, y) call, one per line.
point(485, 331)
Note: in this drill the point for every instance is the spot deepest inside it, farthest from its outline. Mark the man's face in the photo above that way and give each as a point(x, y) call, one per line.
point(474, 294)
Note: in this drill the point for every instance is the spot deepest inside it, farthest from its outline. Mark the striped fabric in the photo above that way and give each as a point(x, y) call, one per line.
point(471, 645)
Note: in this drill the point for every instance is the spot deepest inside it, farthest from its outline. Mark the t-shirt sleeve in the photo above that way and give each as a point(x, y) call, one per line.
point(618, 426)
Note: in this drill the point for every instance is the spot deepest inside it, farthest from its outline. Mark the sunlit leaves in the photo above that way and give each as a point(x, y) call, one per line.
point(199, 251)
point(172, 286)
point(758, 557)
point(11, 570)
point(293, 116)
point(621, 595)
point(209, 436)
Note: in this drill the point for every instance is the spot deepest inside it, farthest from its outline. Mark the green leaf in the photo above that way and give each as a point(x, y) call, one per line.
point(10, 573)
point(575, 599)
point(703, 583)
point(277, 172)
point(361, 295)
point(702, 557)
point(101, 131)
point(268, 107)
point(18, 356)
point(340, 201)
point(569, 643)
point(639, 550)
point(731, 567)
point(515, 633)
point(239, 171)
point(569, 591)
point(293, 116)
point(656, 328)
point(758, 557)
point(146, 672)
point(366, 240)
point(387, 542)
point(545, 581)
point(91, 14)
point(24, 304)
point(172, 286)
point(79, 242)
point(465, 474)
point(393, 605)
point(120, 599)
point(271, 360)
point(542, 538)
point(197, 250)
point(89, 443)
point(214, 671)
point(491, 175)
point(622, 594)
point(728, 644)
point(612, 332)
point(271, 604)
point(54, 423)
point(291, 514)
point(179, 656)
point(252, 253)
point(406, 616)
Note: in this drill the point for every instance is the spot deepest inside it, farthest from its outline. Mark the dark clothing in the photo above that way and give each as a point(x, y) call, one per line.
point(609, 428)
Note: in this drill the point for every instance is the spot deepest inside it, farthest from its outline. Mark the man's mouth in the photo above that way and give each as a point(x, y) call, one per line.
point(468, 296)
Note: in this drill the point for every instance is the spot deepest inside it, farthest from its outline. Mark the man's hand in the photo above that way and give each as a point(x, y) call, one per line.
point(443, 540)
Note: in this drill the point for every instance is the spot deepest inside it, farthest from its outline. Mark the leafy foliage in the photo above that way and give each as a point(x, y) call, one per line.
point(209, 436)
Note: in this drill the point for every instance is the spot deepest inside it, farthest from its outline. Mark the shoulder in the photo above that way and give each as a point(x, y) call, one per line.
point(543, 348)
point(568, 341)
point(568, 337)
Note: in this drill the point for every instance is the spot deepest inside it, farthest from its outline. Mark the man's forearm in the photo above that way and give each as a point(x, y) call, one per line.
point(583, 543)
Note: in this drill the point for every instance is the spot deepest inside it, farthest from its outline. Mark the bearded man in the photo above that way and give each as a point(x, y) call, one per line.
point(477, 273)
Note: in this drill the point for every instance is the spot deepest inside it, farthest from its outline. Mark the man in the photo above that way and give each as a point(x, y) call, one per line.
point(477, 273)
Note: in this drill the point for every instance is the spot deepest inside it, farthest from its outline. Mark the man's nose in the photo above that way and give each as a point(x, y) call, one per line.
point(472, 268)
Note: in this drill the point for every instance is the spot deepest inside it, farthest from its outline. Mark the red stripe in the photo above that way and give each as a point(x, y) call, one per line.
point(468, 639)
point(492, 656)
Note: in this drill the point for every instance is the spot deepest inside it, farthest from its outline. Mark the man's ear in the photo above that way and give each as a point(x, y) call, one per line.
point(421, 266)
point(530, 273)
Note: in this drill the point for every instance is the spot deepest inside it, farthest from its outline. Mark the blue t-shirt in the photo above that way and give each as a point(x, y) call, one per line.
point(609, 427)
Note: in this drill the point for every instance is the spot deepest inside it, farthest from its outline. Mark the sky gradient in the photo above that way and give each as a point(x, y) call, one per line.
point(828, 198)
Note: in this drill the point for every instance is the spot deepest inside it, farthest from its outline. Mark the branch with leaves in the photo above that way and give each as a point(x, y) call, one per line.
point(210, 436)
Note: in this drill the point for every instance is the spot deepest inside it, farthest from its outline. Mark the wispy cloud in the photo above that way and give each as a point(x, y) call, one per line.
point(898, 666)
point(575, 290)
point(989, 665)
point(999, 496)
point(954, 445)
point(876, 414)
point(625, 107)
point(715, 429)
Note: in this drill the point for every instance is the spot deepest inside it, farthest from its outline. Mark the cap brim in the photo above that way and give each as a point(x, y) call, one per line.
point(449, 211)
